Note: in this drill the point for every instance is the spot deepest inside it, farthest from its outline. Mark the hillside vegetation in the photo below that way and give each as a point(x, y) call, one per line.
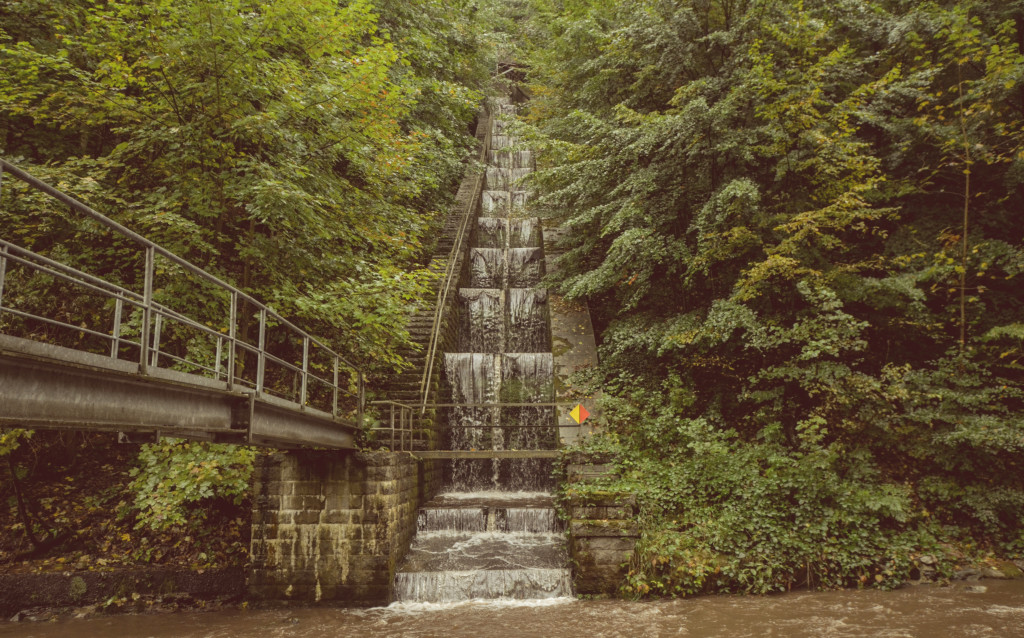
point(798, 226)
point(302, 150)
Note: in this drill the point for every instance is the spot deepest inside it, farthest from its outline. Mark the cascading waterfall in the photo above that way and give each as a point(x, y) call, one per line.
point(523, 377)
point(473, 545)
point(495, 534)
point(511, 320)
point(527, 311)
point(530, 379)
point(497, 232)
point(477, 428)
point(483, 328)
point(486, 518)
point(503, 267)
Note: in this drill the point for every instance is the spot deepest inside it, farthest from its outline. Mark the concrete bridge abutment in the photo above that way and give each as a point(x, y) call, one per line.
point(332, 525)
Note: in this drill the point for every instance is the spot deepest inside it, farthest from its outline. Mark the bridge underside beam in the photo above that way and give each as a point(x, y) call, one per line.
point(91, 392)
point(276, 426)
point(38, 394)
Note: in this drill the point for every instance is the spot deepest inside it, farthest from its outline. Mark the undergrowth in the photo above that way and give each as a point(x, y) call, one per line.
point(720, 514)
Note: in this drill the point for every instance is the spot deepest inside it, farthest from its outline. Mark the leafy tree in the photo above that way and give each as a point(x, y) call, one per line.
point(280, 146)
point(302, 150)
point(792, 223)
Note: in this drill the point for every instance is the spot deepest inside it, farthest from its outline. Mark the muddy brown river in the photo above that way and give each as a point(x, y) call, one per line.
point(962, 609)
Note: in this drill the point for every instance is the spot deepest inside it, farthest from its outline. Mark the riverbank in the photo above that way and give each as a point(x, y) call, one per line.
point(88, 554)
point(107, 566)
point(756, 518)
point(43, 597)
point(928, 610)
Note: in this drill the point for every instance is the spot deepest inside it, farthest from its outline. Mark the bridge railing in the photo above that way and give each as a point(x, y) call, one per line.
point(250, 347)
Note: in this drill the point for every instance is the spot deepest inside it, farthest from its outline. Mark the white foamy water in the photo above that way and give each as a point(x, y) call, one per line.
point(532, 520)
point(451, 585)
point(478, 604)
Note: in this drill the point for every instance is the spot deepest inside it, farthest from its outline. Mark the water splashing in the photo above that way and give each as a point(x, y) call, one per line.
point(484, 540)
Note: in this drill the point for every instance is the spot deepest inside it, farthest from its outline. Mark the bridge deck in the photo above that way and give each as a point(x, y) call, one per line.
point(50, 387)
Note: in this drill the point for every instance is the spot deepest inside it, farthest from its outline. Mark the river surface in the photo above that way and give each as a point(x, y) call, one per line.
point(925, 611)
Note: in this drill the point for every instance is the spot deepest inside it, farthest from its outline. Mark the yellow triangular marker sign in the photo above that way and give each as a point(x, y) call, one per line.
point(579, 414)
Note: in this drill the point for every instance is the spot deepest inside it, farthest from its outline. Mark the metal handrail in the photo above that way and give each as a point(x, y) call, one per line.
point(403, 416)
point(154, 313)
point(450, 274)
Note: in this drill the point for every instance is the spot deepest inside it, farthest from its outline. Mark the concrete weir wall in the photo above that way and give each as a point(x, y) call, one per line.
point(332, 526)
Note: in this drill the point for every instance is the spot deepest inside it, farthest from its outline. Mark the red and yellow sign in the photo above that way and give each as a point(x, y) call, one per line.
point(579, 414)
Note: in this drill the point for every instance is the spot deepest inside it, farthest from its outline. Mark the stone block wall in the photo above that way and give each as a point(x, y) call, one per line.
point(602, 527)
point(334, 525)
point(602, 534)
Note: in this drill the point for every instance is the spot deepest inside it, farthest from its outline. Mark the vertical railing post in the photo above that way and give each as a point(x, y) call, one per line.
point(232, 336)
point(216, 360)
point(3, 273)
point(3, 249)
point(412, 417)
point(115, 340)
point(334, 400)
point(407, 430)
point(147, 309)
point(361, 398)
point(305, 371)
point(158, 324)
point(392, 427)
point(261, 355)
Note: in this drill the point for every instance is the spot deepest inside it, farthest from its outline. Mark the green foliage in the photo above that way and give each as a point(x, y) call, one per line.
point(301, 150)
point(10, 439)
point(177, 481)
point(783, 216)
point(722, 514)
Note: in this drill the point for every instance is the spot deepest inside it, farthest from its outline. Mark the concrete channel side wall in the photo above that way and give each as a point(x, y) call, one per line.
point(572, 343)
point(333, 526)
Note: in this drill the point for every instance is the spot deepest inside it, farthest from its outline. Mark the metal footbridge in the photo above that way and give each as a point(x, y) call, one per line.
point(111, 350)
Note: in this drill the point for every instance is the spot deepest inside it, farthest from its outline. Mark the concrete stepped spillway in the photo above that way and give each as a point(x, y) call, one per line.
point(494, 533)
point(480, 545)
